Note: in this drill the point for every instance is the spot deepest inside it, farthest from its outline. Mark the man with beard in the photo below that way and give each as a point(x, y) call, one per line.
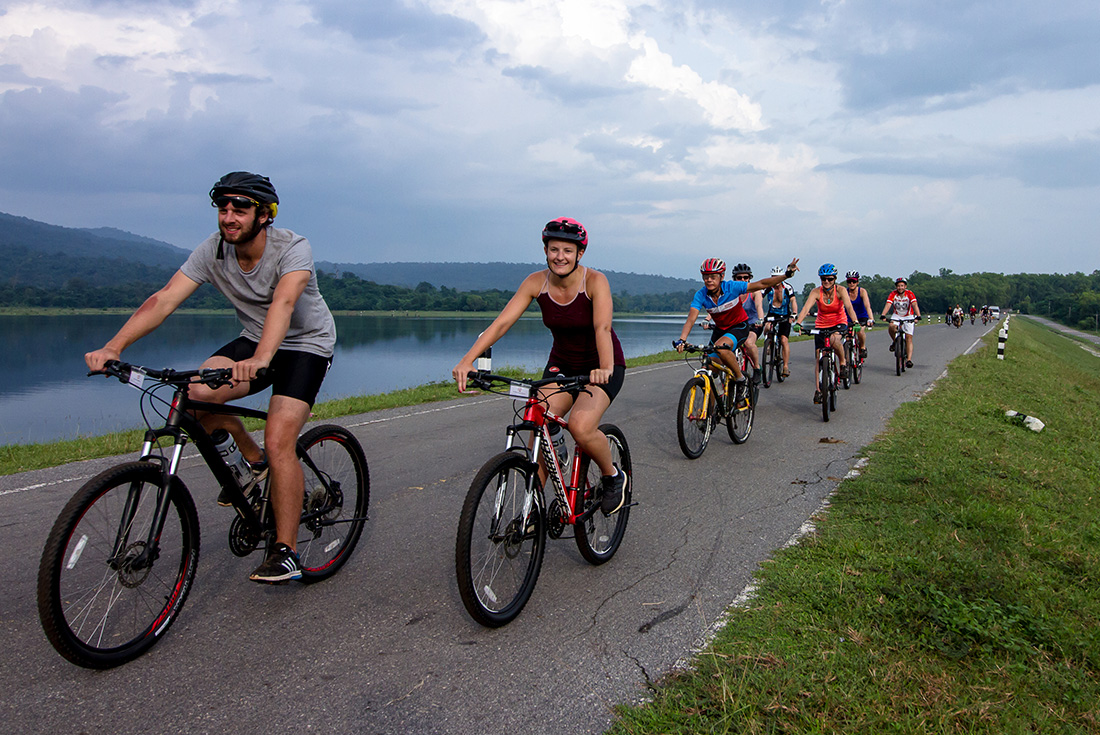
point(268, 275)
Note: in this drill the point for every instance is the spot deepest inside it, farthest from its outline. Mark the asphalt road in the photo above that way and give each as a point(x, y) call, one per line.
point(386, 646)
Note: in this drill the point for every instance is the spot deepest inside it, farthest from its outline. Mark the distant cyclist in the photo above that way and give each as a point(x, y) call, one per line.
point(782, 304)
point(724, 302)
point(754, 309)
point(973, 313)
point(904, 303)
point(834, 309)
point(861, 302)
point(576, 307)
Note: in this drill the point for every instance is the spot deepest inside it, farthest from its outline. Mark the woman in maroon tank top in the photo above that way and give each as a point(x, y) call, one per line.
point(576, 307)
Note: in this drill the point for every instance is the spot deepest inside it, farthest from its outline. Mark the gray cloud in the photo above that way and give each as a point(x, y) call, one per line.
point(407, 25)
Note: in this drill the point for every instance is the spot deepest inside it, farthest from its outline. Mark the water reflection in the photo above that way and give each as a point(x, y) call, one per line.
point(44, 394)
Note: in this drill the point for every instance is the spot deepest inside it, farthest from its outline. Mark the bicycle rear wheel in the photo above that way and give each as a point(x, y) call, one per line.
point(102, 599)
point(850, 357)
point(777, 359)
point(337, 493)
point(825, 380)
point(695, 417)
point(856, 368)
point(599, 537)
point(499, 549)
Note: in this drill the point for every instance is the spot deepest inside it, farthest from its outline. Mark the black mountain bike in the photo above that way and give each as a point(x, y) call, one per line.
point(121, 556)
point(899, 341)
point(771, 356)
point(828, 371)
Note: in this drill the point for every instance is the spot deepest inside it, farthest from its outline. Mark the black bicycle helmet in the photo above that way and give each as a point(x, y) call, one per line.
point(246, 184)
point(742, 268)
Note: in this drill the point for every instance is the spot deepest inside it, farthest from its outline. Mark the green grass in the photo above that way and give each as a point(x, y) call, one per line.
point(951, 587)
point(25, 457)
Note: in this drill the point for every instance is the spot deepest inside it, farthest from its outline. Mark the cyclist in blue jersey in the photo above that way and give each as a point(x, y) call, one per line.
point(783, 305)
point(724, 302)
point(861, 302)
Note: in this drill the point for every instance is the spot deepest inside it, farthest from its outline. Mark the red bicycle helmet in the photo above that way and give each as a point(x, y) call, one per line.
point(713, 265)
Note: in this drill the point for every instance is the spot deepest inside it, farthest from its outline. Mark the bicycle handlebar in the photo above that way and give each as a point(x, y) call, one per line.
point(127, 373)
point(487, 381)
point(688, 347)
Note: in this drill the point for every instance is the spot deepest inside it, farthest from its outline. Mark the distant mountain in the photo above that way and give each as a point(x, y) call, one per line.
point(485, 276)
point(104, 242)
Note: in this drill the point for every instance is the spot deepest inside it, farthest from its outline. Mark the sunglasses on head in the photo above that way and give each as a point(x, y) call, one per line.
point(565, 227)
point(240, 202)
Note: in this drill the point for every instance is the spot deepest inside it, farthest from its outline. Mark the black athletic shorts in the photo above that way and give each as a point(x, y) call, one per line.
point(820, 339)
point(292, 373)
point(737, 334)
point(612, 388)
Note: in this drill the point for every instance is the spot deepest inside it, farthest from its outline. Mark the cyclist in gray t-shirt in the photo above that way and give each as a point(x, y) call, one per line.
point(269, 277)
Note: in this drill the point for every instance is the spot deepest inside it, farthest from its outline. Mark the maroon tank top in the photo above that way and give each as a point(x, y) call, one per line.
point(574, 349)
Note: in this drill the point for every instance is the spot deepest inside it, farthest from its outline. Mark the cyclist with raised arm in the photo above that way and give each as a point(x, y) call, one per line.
point(576, 306)
point(724, 302)
point(861, 302)
point(782, 304)
point(834, 309)
point(268, 275)
point(904, 303)
point(754, 310)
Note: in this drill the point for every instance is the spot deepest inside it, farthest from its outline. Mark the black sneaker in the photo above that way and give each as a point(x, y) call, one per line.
point(908, 363)
point(259, 474)
point(741, 393)
point(844, 372)
point(280, 566)
point(862, 353)
point(614, 492)
point(891, 346)
point(817, 396)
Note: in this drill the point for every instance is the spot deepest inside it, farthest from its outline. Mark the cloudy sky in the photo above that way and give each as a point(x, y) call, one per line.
point(881, 135)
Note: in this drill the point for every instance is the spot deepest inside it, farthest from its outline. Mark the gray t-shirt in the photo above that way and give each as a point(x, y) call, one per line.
point(311, 329)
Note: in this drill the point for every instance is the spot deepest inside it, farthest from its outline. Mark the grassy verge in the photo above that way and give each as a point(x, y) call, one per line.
point(25, 457)
point(951, 587)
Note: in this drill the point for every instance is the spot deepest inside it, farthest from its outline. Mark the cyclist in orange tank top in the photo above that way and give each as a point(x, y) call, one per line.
point(576, 307)
point(834, 308)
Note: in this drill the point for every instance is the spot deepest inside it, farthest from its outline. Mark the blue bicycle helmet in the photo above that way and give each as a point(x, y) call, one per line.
point(827, 270)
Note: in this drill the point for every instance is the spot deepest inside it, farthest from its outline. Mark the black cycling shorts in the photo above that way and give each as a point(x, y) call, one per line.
point(737, 334)
point(292, 373)
point(611, 388)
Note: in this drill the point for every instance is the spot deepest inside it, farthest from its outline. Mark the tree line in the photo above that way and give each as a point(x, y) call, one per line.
point(1072, 299)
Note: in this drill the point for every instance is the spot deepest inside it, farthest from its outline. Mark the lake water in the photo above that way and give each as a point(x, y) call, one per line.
point(45, 394)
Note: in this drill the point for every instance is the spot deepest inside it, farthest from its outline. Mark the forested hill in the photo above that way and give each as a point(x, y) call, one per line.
point(485, 276)
point(104, 242)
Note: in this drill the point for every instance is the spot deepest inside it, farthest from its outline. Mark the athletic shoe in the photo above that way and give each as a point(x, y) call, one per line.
point(844, 372)
point(891, 346)
point(908, 363)
point(817, 396)
point(742, 393)
point(280, 566)
point(786, 373)
point(259, 474)
point(614, 492)
point(862, 353)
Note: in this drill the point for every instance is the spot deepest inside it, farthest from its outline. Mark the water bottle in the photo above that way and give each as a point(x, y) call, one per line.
point(558, 437)
point(229, 452)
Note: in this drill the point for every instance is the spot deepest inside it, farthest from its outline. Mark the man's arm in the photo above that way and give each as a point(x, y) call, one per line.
point(148, 317)
point(276, 323)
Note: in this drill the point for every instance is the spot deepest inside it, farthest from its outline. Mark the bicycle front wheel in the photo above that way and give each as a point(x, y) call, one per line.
point(767, 364)
point(104, 595)
point(739, 421)
point(850, 357)
point(499, 547)
point(825, 379)
point(598, 538)
point(695, 417)
point(337, 492)
point(899, 351)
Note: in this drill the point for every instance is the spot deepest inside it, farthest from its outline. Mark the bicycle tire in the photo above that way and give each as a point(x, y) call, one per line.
point(824, 381)
point(599, 537)
point(325, 542)
point(498, 555)
point(833, 391)
point(850, 357)
point(899, 350)
point(739, 422)
point(97, 610)
point(777, 360)
point(857, 368)
point(767, 359)
point(692, 429)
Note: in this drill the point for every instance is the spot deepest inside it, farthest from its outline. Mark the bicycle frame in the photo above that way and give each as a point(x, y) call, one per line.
point(707, 367)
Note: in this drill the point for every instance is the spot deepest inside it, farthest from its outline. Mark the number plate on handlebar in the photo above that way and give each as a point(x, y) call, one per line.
point(519, 390)
point(137, 378)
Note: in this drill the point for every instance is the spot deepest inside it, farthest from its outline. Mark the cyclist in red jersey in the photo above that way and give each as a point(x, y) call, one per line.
point(576, 307)
point(834, 308)
point(904, 303)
